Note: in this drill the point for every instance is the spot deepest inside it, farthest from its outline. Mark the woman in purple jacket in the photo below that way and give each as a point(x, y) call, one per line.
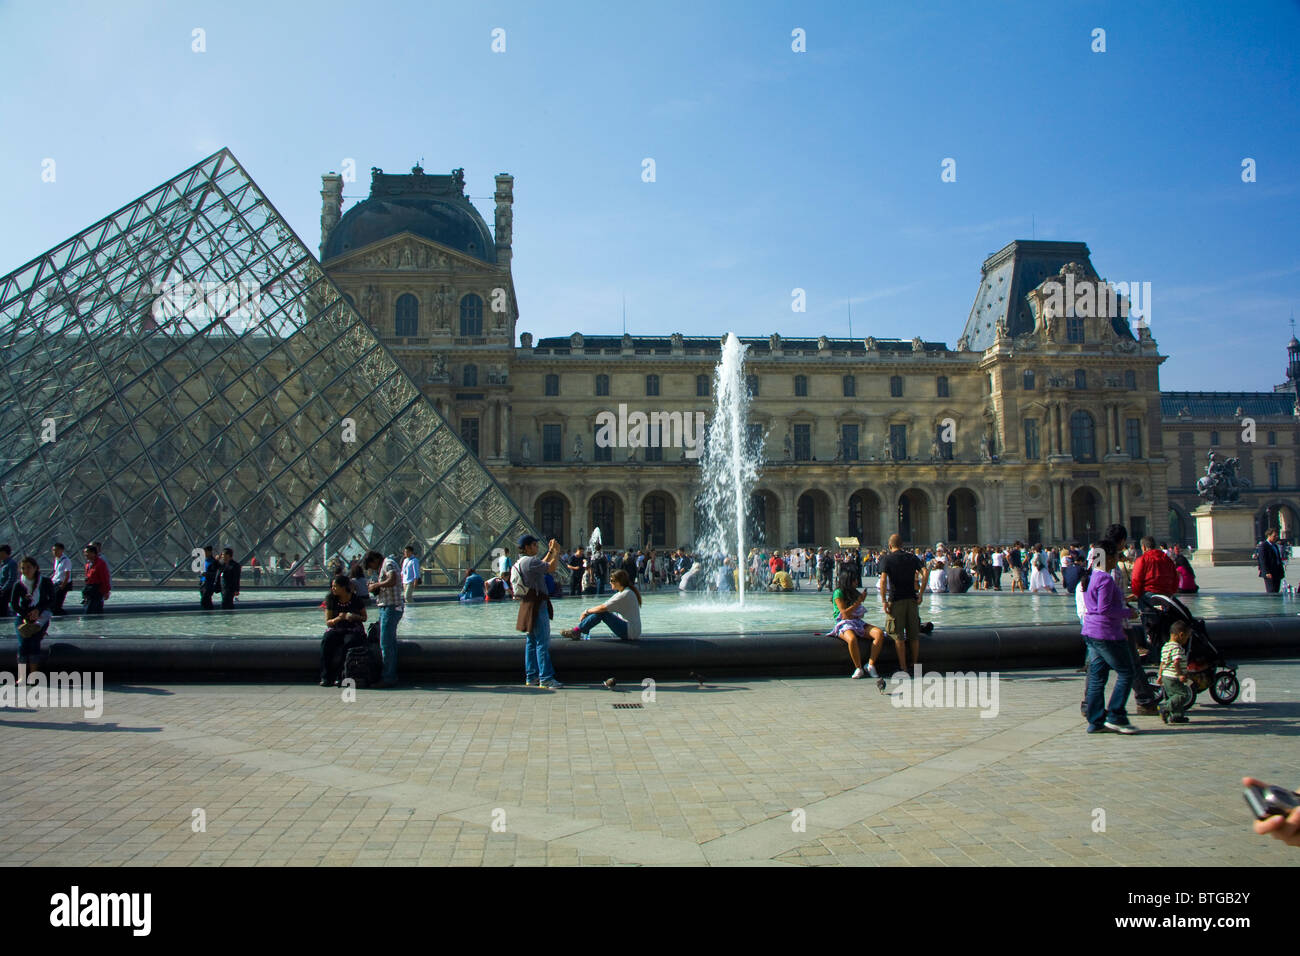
point(1103, 631)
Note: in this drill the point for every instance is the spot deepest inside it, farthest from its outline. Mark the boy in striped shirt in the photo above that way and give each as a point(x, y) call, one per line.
point(1173, 675)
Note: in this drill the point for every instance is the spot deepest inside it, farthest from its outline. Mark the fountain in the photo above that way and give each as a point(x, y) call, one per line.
point(728, 467)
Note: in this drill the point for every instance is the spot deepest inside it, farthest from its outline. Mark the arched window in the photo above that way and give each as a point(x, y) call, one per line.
point(1083, 439)
point(407, 311)
point(469, 376)
point(1080, 378)
point(1028, 383)
point(801, 386)
point(471, 315)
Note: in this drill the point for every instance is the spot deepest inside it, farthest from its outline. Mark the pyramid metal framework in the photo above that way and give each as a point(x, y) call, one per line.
point(183, 373)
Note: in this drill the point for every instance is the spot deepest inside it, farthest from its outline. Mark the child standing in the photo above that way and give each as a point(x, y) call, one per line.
point(1173, 675)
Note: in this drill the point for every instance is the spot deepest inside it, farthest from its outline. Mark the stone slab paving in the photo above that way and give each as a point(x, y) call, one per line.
point(810, 771)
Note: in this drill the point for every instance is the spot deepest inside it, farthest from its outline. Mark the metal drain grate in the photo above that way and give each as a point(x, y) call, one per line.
point(628, 707)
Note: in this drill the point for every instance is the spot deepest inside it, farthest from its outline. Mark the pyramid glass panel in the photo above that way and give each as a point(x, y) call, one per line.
point(183, 373)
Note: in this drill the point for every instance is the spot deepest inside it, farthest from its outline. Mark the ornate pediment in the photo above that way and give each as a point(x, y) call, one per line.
point(407, 252)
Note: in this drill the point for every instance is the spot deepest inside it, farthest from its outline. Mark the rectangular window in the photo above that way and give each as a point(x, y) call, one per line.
point(654, 453)
point(469, 433)
point(1031, 439)
point(1130, 379)
point(751, 382)
point(801, 386)
point(1133, 436)
point(1214, 438)
point(802, 442)
point(895, 386)
point(552, 385)
point(602, 453)
point(551, 443)
point(754, 435)
point(1274, 475)
point(1074, 330)
point(849, 442)
point(1272, 438)
point(602, 384)
point(850, 386)
point(941, 386)
point(652, 384)
point(898, 442)
point(1036, 530)
point(701, 386)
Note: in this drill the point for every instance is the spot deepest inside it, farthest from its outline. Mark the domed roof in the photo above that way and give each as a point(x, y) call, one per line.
point(434, 207)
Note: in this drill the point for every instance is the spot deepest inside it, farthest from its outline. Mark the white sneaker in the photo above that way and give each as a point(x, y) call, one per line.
point(1121, 728)
point(858, 672)
point(871, 669)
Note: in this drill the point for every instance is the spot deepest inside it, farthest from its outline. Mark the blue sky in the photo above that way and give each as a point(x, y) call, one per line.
point(775, 169)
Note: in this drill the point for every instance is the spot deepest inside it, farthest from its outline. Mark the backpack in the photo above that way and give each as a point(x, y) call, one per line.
point(364, 663)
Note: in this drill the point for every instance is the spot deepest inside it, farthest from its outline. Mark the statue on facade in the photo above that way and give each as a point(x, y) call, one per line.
point(963, 344)
point(577, 448)
point(525, 450)
point(438, 367)
point(788, 446)
point(1221, 484)
point(934, 450)
point(443, 299)
point(986, 448)
point(869, 343)
point(917, 344)
point(839, 448)
point(774, 342)
point(405, 259)
point(886, 449)
point(374, 302)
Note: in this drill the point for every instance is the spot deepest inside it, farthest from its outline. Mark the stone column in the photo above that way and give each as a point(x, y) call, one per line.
point(938, 515)
point(789, 516)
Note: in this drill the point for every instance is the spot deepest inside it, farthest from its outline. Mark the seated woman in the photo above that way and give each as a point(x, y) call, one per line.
point(472, 589)
point(32, 601)
point(850, 627)
point(621, 613)
point(1186, 576)
point(345, 615)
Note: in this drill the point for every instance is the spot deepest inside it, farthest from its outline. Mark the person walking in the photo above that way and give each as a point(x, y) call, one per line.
point(576, 565)
point(99, 584)
point(61, 578)
point(411, 573)
point(207, 579)
point(536, 611)
point(1103, 632)
point(229, 574)
point(901, 580)
point(1271, 567)
point(299, 573)
point(1144, 695)
point(386, 586)
point(32, 601)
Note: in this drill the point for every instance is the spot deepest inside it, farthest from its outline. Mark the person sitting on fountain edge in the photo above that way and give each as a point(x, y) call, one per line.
point(621, 613)
point(850, 626)
point(472, 590)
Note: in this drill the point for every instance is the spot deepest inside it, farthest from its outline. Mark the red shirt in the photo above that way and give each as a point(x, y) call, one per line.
point(775, 564)
point(1154, 573)
point(97, 573)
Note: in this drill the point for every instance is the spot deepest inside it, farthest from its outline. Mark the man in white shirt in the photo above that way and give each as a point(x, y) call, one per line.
point(61, 576)
point(410, 573)
point(997, 569)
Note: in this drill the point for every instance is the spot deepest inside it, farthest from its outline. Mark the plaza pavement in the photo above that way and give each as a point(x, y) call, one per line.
point(703, 775)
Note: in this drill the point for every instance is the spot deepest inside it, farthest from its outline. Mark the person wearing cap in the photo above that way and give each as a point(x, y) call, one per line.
point(535, 611)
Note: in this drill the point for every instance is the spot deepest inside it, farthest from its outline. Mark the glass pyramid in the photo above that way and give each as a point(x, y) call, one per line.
point(183, 373)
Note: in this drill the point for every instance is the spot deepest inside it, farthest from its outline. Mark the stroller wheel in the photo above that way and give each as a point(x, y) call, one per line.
point(1225, 688)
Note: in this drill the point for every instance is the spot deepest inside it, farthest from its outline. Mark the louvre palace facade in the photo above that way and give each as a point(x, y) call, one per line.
point(1038, 425)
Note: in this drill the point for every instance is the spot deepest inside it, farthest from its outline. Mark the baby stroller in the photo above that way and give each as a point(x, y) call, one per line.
point(1205, 665)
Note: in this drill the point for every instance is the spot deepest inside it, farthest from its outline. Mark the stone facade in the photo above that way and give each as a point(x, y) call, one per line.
point(1048, 431)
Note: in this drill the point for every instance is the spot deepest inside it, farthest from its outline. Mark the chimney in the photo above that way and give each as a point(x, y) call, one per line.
point(505, 197)
point(331, 206)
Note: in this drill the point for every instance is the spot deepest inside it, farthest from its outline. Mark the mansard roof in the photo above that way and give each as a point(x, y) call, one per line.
point(1225, 404)
point(662, 345)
